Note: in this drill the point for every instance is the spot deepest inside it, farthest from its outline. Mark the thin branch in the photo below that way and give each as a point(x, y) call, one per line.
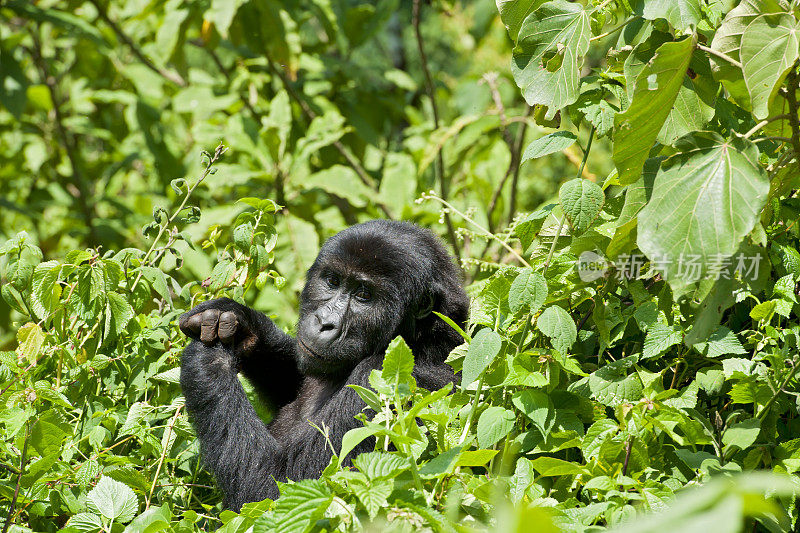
point(432, 196)
point(764, 123)
point(791, 98)
point(167, 435)
point(628, 448)
point(22, 460)
point(174, 77)
point(719, 54)
point(431, 90)
point(613, 30)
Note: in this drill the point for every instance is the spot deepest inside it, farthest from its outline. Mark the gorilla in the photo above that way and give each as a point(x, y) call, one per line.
point(369, 283)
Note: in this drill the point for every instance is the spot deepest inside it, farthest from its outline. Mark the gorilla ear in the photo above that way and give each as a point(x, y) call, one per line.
point(425, 307)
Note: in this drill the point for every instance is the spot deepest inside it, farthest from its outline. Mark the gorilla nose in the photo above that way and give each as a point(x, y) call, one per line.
point(328, 325)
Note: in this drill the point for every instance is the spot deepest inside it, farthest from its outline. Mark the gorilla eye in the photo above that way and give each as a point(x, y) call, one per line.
point(333, 280)
point(363, 294)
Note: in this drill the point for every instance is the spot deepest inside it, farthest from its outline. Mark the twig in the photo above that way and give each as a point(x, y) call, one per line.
point(764, 123)
point(719, 54)
point(431, 90)
point(628, 448)
point(174, 77)
point(791, 97)
point(432, 196)
point(761, 414)
point(167, 436)
point(220, 150)
point(68, 142)
point(23, 458)
point(564, 217)
point(614, 30)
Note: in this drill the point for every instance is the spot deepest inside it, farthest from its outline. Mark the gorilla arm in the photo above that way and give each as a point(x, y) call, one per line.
point(264, 354)
point(245, 455)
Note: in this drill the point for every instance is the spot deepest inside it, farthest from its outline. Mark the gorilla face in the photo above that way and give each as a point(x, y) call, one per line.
point(343, 319)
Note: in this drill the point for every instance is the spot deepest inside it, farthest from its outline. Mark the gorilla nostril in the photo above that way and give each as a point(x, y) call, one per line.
point(326, 326)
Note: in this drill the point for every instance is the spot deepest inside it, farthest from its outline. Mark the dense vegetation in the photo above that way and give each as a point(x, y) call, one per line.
point(623, 199)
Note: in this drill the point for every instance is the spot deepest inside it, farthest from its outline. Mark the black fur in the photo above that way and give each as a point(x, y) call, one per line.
point(405, 272)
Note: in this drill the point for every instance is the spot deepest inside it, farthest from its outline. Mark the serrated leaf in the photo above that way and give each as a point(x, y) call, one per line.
point(582, 202)
point(398, 363)
point(556, 323)
point(612, 385)
point(703, 205)
point(494, 424)
point(537, 406)
point(301, 504)
point(657, 86)
point(173, 375)
point(550, 48)
point(31, 339)
point(378, 465)
point(481, 352)
point(549, 144)
point(769, 49)
point(529, 289)
point(119, 313)
point(659, 338)
point(86, 522)
point(114, 500)
point(372, 495)
point(550, 466)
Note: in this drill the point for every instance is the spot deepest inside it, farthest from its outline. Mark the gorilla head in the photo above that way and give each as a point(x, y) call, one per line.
point(370, 283)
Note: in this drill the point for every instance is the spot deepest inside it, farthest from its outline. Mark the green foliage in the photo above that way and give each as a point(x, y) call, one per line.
point(627, 223)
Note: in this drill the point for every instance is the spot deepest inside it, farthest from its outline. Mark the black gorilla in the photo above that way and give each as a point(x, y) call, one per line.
point(370, 283)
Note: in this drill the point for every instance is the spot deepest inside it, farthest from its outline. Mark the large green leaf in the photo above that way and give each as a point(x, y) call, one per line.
point(681, 14)
point(556, 323)
point(494, 424)
point(728, 40)
point(513, 12)
point(657, 87)
point(689, 113)
point(703, 205)
point(114, 500)
point(582, 201)
point(482, 350)
point(549, 52)
point(769, 49)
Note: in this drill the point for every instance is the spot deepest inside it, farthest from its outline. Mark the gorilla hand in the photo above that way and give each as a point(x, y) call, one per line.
point(221, 320)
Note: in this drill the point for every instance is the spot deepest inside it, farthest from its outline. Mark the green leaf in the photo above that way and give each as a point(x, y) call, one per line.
point(372, 495)
point(377, 465)
point(482, 350)
point(475, 457)
point(728, 41)
point(343, 182)
point(494, 424)
point(550, 466)
point(86, 522)
point(657, 87)
point(582, 202)
point(513, 12)
point(538, 407)
point(769, 49)
point(681, 14)
point(611, 385)
point(556, 323)
point(114, 500)
point(659, 338)
point(703, 206)
point(353, 438)
point(764, 311)
point(398, 363)
point(301, 504)
point(743, 434)
point(547, 59)
point(689, 114)
point(549, 144)
point(119, 313)
point(529, 289)
point(221, 13)
point(30, 338)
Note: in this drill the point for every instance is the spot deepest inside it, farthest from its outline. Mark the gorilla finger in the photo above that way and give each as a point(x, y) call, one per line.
point(208, 327)
point(190, 325)
point(227, 326)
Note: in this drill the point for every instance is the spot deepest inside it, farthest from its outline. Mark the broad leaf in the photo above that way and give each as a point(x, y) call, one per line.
point(114, 500)
point(482, 350)
point(702, 206)
point(582, 201)
point(494, 424)
point(769, 49)
point(556, 323)
point(547, 59)
point(681, 14)
point(657, 87)
point(529, 289)
point(513, 12)
point(549, 144)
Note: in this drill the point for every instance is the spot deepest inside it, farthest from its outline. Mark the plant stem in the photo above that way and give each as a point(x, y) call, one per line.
point(564, 217)
point(481, 229)
point(431, 90)
point(167, 435)
point(614, 30)
point(22, 460)
point(761, 414)
point(472, 409)
point(791, 97)
point(220, 150)
point(719, 54)
point(628, 448)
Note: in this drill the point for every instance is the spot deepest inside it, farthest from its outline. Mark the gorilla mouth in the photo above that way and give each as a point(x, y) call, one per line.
point(308, 350)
